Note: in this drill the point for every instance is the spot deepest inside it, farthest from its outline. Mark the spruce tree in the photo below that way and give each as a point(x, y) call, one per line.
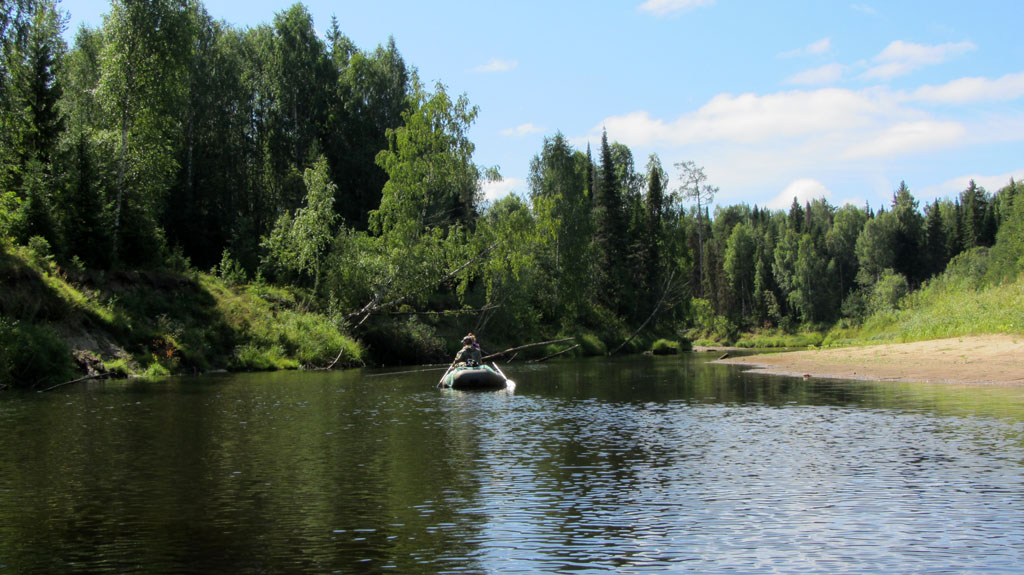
point(936, 249)
point(610, 229)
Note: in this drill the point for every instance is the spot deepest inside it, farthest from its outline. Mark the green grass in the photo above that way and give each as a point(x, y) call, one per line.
point(666, 347)
point(154, 323)
point(945, 307)
point(591, 344)
point(764, 340)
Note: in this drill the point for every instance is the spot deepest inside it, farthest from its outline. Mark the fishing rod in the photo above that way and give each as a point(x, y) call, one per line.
point(405, 372)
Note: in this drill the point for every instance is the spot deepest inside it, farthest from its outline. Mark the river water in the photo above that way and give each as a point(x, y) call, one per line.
point(635, 465)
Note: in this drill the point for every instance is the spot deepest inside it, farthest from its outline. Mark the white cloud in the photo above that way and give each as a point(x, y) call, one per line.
point(522, 130)
point(950, 188)
point(900, 58)
point(752, 118)
point(497, 190)
point(497, 65)
point(849, 139)
point(823, 46)
point(964, 90)
point(804, 190)
point(668, 7)
point(827, 74)
point(864, 9)
point(909, 137)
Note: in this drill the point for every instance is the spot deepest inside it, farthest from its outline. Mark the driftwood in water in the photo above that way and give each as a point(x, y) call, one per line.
point(556, 354)
point(527, 346)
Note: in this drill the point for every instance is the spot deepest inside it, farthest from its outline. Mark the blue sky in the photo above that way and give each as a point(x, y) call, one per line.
point(841, 100)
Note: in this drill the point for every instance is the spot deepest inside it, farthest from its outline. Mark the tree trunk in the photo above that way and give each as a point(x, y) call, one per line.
point(122, 160)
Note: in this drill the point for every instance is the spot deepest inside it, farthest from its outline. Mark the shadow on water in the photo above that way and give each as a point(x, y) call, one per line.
point(627, 464)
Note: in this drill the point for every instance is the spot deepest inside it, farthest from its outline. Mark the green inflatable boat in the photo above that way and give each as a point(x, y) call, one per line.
point(476, 377)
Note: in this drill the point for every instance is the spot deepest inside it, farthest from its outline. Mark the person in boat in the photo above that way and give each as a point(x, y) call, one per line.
point(470, 352)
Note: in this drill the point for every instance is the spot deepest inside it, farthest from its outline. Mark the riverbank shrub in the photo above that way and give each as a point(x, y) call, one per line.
point(251, 357)
point(32, 355)
point(665, 347)
point(961, 301)
point(591, 344)
point(780, 340)
point(154, 322)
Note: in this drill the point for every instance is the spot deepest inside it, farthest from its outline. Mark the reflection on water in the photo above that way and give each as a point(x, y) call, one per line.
point(627, 466)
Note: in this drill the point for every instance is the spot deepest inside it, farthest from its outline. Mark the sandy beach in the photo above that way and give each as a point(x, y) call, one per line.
point(988, 359)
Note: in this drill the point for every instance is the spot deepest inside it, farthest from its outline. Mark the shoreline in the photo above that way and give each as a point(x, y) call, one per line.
point(967, 360)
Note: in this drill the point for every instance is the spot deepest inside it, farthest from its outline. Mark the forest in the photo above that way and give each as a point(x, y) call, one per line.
point(330, 182)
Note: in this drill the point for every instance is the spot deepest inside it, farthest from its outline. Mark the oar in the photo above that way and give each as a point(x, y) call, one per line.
point(495, 364)
point(441, 382)
point(509, 384)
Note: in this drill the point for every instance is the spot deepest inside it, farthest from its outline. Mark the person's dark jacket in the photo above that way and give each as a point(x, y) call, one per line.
point(469, 354)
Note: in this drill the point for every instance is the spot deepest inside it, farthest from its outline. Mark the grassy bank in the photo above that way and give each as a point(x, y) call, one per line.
point(57, 324)
point(948, 306)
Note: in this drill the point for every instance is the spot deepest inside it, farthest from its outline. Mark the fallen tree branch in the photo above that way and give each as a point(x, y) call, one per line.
point(373, 307)
point(333, 363)
point(657, 307)
point(445, 312)
point(80, 380)
point(527, 346)
point(556, 354)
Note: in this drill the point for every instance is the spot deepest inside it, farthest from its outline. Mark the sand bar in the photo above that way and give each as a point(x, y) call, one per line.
point(987, 359)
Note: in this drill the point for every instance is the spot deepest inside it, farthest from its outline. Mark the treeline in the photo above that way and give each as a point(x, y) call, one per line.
point(818, 264)
point(165, 138)
point(165, 131)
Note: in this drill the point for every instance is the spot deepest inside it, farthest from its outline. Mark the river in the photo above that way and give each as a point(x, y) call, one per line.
point(632, 465)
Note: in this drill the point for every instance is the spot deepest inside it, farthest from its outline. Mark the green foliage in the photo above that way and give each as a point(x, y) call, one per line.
point(405, 341)
point(266, 318)
point(230, 270)
point(251, 357)
point(510, 273)
point(957, 302)
point(875, 248)
point(841, 242)
point(120, 367)
point(611, 232)
point(165, 138)
point(887, 292)
point(780, 340)
point(31, 355)
point(40, 252)
point(1006, 258)
point(562, 216)
point(9, 213)
point(665, 347)
point(431, 178)
point(591, 344)
point(740, 265)
point(141, 87)
point(703, 316)
point(300, 244)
